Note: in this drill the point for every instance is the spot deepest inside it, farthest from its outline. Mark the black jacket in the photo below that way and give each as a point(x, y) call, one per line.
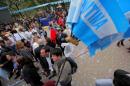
point(4, 49)
point(31, 76)
point(37, 51)
point(44, 63)
point(7, 65)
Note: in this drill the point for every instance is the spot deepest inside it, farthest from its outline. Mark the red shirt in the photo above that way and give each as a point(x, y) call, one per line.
point(53, 33)
point(60, 21)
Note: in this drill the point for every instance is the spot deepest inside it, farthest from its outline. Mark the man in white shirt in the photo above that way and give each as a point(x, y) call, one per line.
point(45, 60)
point(21, 32)
point(16, 36)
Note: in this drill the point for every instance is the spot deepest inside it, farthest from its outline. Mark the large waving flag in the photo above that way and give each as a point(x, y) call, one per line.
point(97, 23)
point(125, 7)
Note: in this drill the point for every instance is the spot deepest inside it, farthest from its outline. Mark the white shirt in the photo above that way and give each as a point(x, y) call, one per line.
point(17, 37)
point(49, 63)
point(28, 35)
point(35, 45)
point(23, 35)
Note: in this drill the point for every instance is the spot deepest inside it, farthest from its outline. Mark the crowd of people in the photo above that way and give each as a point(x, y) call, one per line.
point(25, 42)
point(31, 50)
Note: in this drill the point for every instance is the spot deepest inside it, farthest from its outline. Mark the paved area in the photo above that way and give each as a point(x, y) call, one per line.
point(102, 66)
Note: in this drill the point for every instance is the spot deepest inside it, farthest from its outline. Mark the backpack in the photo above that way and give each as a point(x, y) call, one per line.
point(73, 64)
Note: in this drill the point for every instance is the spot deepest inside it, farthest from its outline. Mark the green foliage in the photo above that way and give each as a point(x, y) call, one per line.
point(2, 4)
point(21, 4)
point(25, 3)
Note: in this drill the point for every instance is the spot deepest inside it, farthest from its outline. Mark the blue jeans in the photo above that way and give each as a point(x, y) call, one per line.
point(4, 77)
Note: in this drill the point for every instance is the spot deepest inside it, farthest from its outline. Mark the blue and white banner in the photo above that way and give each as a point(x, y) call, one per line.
point(74, 11)
point(98, 23)
point(125, 7)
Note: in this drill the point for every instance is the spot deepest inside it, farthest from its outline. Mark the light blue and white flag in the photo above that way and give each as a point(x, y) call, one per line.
point(125, 7)
point(98, 22)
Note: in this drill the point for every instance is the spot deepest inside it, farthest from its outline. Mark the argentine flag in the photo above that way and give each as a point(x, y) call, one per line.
point(97, 23)
point(125, 7)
